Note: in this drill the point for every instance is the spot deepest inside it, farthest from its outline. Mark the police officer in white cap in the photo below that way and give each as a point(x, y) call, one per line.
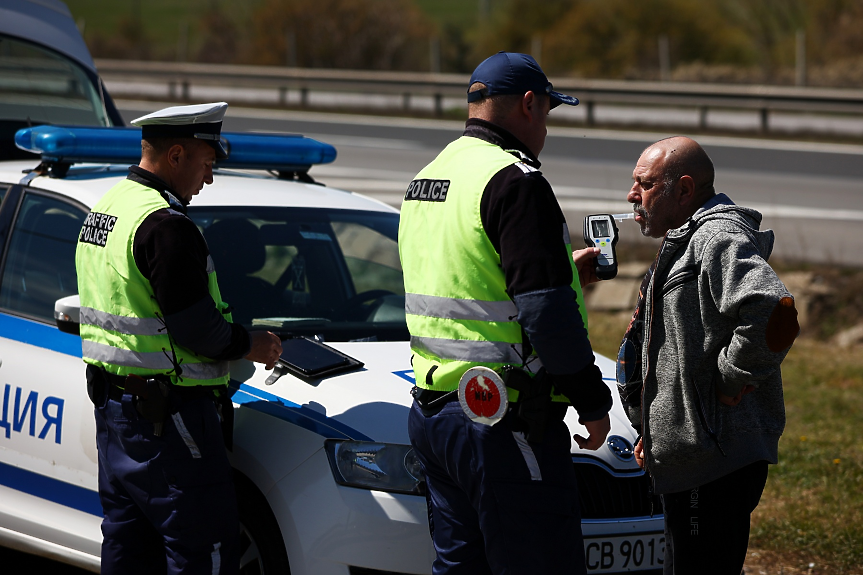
point(157, 339)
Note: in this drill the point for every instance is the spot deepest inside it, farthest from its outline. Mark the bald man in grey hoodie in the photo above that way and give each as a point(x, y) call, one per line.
point(698, 370)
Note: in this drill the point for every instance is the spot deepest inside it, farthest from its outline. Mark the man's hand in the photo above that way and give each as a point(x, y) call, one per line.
point(584, 263)
point(266, 348)
point(732, 401)
point(597, 432)
point(639, 453)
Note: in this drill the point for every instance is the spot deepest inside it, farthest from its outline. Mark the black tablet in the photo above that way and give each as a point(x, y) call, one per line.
point(311, 359)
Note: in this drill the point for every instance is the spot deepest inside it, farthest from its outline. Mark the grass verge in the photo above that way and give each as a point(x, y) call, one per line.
point(813, 502)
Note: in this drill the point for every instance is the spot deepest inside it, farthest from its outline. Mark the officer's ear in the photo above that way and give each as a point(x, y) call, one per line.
point(174, 155)
point(528, 103)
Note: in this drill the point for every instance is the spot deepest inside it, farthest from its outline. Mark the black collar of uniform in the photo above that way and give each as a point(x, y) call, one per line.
point(494, 134)
point(146, 178)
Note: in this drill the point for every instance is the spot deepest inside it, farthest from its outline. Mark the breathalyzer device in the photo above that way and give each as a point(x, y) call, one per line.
point(600, 232)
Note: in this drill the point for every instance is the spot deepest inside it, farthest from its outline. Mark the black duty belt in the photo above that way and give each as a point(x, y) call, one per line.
point(120, 384)
point(431, 402)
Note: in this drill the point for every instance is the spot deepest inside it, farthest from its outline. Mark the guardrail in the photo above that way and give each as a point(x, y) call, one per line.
point(179, 77)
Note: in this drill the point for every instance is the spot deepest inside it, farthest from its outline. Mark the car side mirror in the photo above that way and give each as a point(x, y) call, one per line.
point(67, 314)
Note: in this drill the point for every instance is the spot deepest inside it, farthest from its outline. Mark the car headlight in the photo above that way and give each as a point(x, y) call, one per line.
point(379, 466)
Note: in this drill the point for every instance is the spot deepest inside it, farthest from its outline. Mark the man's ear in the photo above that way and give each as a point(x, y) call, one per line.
point(174, 154)
point(685, 191)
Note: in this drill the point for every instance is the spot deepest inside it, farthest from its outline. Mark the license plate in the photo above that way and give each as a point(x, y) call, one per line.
point(625, 553)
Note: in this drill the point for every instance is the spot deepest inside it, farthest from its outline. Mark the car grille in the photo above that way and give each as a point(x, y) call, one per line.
point(606, 496)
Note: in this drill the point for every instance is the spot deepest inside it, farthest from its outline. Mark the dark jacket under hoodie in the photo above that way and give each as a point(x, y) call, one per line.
point(707, 309)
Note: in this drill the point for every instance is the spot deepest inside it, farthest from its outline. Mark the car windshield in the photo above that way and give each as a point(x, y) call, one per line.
point(329, 273)
point(39, 86)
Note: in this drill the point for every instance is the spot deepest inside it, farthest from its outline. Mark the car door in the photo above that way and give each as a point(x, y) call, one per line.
point(48, 469)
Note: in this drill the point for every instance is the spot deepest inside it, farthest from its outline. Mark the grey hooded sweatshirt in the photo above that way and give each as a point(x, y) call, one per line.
point(707, 310)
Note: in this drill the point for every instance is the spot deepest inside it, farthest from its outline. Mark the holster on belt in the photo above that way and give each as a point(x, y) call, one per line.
point(534, 404)
point(151, 399)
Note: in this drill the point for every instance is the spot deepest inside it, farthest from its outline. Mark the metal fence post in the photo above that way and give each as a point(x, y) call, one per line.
point(765, 120)
point(304, 97)
point(438, 104)
point(591, 118)
point(406, 101)
point(702, 117)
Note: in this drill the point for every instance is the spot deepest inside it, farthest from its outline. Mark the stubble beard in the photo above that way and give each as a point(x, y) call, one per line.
point(659, 220)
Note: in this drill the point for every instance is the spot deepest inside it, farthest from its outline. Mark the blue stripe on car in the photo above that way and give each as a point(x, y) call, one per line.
point(281, 408)
point(39, 334)
point(50, 489)
point(407, 375)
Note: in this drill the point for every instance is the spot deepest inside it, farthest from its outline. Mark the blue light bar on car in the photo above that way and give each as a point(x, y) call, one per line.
point(274, 151)
point(71, 145)
point(282, 152)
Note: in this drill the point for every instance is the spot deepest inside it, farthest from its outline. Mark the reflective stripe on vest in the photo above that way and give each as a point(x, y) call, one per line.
point(471, 351)
point(121, 323)
point(454, 308)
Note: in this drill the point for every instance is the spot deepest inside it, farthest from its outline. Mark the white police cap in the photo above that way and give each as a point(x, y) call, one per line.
point(201, 121)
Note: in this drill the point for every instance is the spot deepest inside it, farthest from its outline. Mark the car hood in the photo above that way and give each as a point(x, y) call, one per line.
point(373, 403)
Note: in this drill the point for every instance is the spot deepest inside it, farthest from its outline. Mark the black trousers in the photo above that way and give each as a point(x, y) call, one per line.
point(707, 527)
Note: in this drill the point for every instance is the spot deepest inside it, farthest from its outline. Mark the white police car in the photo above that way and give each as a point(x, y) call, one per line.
point(326, 479)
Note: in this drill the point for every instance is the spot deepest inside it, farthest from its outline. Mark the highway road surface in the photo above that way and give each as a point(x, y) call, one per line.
point(811, 194)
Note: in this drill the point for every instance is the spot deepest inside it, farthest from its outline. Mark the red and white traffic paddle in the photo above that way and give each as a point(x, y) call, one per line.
point(482, 395)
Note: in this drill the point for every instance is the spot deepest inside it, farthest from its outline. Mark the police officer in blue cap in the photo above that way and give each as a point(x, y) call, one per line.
point(157, 339)
point(498, 336)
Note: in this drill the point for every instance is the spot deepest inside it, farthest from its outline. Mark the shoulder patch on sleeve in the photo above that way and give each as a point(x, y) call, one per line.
point(525, 168)
point(782, 327)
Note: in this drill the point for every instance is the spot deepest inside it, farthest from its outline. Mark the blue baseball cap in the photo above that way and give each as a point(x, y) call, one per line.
point(511, 73)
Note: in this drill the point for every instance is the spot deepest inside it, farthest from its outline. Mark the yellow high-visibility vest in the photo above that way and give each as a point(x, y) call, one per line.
point(458, 312)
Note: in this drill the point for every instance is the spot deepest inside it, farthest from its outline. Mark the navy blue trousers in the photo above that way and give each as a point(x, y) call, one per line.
point(169, 503)
point(498, 504)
